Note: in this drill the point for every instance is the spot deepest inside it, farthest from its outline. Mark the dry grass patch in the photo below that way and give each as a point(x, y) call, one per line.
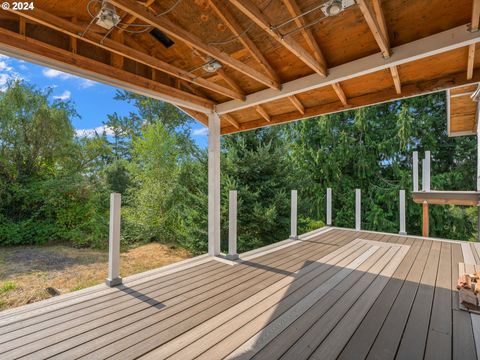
point(26, 272)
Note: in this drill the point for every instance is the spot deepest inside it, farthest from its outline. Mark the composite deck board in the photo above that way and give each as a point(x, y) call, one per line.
point(299, 301)
point(145, 310)
point(130, 329)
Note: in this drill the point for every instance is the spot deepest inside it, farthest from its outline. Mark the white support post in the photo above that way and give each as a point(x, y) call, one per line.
point(213, 184)
point(232, 225)
point(402, 213)
point(293, 222)
point(114, 278)
point(415, 171)
point(329, 206)
point(358, 209)
point(424, 176)
point(427, 170)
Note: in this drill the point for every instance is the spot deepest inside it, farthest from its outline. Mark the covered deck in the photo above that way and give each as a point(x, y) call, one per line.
point(333, 293)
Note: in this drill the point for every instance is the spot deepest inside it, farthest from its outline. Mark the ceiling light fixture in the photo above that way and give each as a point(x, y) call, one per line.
point(212, 66)
point(335, 7)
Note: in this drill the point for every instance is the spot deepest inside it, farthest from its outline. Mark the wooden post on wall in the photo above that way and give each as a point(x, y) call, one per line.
point(425, 220)
point(114, 278)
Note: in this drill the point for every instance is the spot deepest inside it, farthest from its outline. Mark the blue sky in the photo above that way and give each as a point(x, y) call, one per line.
point(93, 101)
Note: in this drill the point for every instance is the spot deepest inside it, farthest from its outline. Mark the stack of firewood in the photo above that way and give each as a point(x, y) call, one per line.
point(469, 290)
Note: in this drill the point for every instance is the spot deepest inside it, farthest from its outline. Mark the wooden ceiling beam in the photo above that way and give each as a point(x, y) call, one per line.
point(254, 13)
point(340, 93)
point(229, 118)
point(181, 34)
point(196, 115)
point(226, 16)
point(297, 103)
point(263, 113)
point(396, 79)
point(383, 96)
point(444, 41)
point(474, 25)
point(307, 33)
point(25, 48)
point(54, 22)
point(376, 29)
point(475, 16)
point(130, 19)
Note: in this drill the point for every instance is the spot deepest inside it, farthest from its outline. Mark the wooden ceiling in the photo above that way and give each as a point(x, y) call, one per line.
point(462, 111)
point(282, 60)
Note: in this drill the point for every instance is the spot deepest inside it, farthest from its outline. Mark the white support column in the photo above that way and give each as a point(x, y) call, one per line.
point(415, 171)
point(427, 170)
point(402, 213)
point(293, 221)
point(358, 209)
point(114, 278)
point(213, 184)
point(424, 176)
point(329, 206)
point(232, 225)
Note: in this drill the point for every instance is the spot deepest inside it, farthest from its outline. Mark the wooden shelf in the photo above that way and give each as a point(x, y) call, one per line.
point(468, 198)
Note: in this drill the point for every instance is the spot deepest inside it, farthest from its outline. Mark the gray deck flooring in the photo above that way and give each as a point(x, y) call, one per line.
point(339, 294)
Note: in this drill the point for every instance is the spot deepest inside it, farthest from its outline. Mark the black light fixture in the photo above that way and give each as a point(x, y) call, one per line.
point(161, 37)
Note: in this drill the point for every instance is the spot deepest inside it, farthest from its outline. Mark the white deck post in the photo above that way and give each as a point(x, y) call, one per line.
point(114, 278)
point(415, 171)
point(213, 184)
point(427, 170)
point(232, 225)
point(424, 176)
point(358, 209)
point(329, 206)
point(293, 222)
point(402, 213)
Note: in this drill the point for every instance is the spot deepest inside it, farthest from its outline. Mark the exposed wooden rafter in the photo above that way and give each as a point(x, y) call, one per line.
point(229, 118)
point(226, 16)
point(474, 25)
point(130, 19)
point(116, 59)
point(307, 33)
point(44, 18)
point(263, 113)
point(298, 105)
point(445, 41)
point(251, 10)
point(13, 44)
point(376, 29)
point(181, 34)
point(396, 79)
point(340, 93)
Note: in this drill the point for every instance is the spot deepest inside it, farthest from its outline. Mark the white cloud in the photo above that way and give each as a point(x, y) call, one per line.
point(92, 132)
point(5, 67)
point(23, 67)
point(52, 73)
point(200, 131)
point(64, 96)
point(56, 74)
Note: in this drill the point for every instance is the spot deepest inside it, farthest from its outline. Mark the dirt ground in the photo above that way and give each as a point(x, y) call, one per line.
point(26, 272)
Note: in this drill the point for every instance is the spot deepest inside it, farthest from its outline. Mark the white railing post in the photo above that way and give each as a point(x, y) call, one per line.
point(232, 225)
point(358, 209)
point(415, 171)
point(402, 213)
point(293, 221)
point(329, 206)
point(114, 241)
point(427, 170)
point(424, 176)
